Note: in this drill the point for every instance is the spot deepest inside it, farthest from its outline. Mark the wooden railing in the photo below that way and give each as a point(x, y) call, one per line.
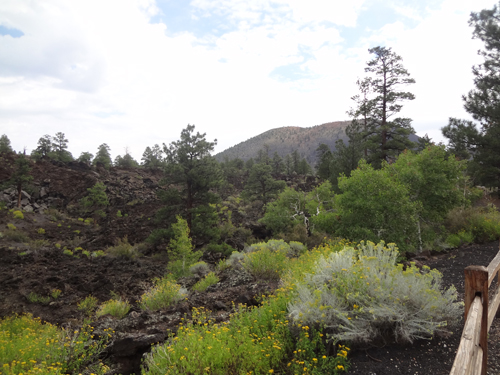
point(472, 354)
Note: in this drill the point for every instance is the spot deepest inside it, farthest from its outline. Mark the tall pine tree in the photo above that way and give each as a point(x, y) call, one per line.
point(383, 136)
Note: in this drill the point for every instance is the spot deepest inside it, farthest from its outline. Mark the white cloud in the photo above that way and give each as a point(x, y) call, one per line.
point(101, 72)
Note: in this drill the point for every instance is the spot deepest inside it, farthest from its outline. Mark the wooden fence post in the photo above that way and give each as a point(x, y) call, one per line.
point(476, 282)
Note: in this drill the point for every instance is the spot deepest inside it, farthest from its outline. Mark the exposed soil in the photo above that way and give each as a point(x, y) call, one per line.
point(45, 270)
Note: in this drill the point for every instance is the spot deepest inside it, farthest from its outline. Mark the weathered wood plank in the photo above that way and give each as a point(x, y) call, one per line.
point(493, 268)
point(493, 308)
point(471, 332)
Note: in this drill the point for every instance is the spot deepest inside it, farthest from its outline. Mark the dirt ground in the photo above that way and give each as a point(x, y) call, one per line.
point(43, 271)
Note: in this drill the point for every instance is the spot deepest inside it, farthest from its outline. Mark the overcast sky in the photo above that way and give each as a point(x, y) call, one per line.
point(132, 73)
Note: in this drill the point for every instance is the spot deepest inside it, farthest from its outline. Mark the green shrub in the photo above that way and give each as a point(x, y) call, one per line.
point(40, 231)
point(55, 293)
point(32, 347)
point(222, 265)
point(119, 213)
point(18, 215)
point(266, 262)
point(364, 297)
point(98, 253)
point(223, 248)
point(204, 283)
point(123, 249)
point(480, 223)
point(67, 252)
point(199, 268)
point(34, 298)
point(164, 293)
point(15, 235)
point(180, 250)
point(88, 305)
point(11, 226)
point(114, 307)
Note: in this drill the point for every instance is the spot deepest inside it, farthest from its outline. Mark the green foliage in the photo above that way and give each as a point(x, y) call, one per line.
point(256, 340)
point(180, 250)
point(85, 157)
point(35, 298)
point(261, 185)
point(222, 248)
point(375, 206)
point(96, 200)
point(32, 347)
point(191, 175)
point(119, 213)
point(68, 252)
point(152, 157)
point(381, 134)
point(103, 157)
point(310, 210)
point(88, 305)
point(164, 293)
point(114, 307)
point(21, 176)
point(44, 148)
point(126, 161)
point(11, 226)
point(475, 224)
point(203, 284)
point(364, 297)
point(55, 293)
point(59, 148)
point(40, 231)
point(310, 355)
point(266, 260)
point(5, 145)
point(461, 238)
point(123, 249)
point(38, 244)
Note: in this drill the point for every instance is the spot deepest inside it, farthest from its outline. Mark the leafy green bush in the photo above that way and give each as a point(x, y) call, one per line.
point(40, 231)
point(88, 305)
point(34, 298)
point(266, 260)
point(223, 248)
point(123, 249)
point(461, 238)
point(164, 293)
point(32, 347)
point(204, 283)
point(482, 223)
point(114, 307)
point(364, 296)
point(18, 215)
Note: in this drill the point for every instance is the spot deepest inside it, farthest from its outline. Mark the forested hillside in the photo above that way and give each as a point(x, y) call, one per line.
point(288, 139)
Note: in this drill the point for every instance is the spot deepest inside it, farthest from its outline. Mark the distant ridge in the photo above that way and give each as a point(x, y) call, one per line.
point(287, 139)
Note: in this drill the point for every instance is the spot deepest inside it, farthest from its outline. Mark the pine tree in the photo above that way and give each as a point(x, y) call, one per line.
point(382, 136)
point(60, 148)
point(191, 174)
point(483, 103)
point(103, 156)
point(261, 185)
point(44, 148)
point(152, 157)
point(5, 145)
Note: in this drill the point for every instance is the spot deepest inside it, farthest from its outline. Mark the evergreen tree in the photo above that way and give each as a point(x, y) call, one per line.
point(191, 174)
point(60, 148)
point(126, 161)
point(85, 157)
point(44, 148)
point(288, 164)
point(277, 164)
point(483, 103)
point(96, 200)
point(152, 157)
point(383, 137)
point(344, 160)
point(21, 175)
point(103, 156)
point(324, 156)
point(5, 145)
point(261, 185)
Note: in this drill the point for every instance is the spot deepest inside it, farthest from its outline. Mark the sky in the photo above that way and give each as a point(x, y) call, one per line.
point(134, 73)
